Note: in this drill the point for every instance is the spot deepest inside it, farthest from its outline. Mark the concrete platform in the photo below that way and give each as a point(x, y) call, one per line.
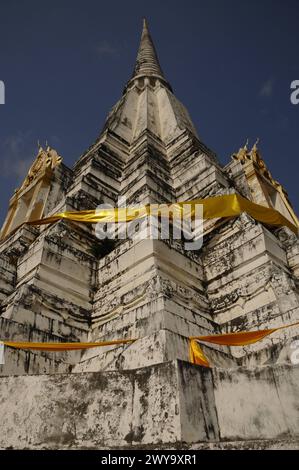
point(169, 405)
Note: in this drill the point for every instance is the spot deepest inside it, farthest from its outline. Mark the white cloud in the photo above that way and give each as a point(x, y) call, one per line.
point(267, 89)
point(106, 49)
point(16, 156)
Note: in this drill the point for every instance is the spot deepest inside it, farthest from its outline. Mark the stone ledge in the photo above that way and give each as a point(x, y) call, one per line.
point(168, 405)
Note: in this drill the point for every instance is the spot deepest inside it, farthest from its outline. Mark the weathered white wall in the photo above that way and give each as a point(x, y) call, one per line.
point(166, 403)
point(91, 409)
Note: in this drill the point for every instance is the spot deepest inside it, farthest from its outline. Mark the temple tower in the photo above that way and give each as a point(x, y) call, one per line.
point(61, 283)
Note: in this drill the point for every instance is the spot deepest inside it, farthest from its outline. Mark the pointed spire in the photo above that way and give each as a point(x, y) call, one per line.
point(147, 63)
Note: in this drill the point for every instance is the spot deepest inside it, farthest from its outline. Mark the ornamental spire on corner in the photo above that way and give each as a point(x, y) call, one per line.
point(147, 62)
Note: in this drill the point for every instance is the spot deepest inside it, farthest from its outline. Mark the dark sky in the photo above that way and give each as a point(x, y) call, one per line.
point(64, 64)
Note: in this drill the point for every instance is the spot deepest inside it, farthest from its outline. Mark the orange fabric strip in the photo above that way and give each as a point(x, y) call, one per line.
point(241, 338)
point(63, 346)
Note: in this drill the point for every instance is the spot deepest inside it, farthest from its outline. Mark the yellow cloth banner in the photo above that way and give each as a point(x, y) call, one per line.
point(63, 346)
point(196, 355)
point(241, 338)
point(230, 205)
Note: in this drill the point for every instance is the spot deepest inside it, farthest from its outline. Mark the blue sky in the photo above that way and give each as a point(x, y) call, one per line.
point(231, 62)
